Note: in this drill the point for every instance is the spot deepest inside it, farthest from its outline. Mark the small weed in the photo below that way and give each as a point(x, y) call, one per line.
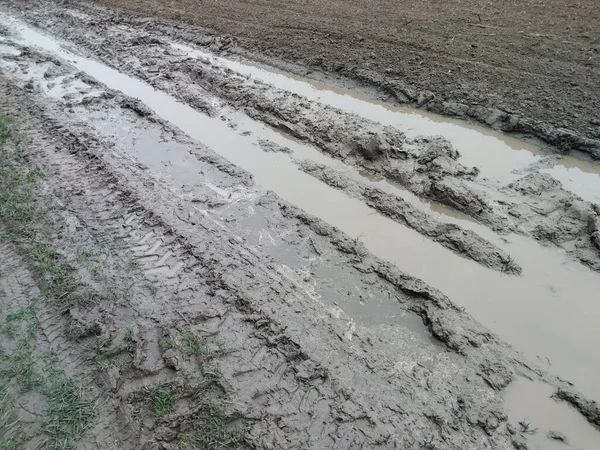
point(132, 264)
point(526, 427)
point(15, 319)
point(108, 358)
point(128, 293)
point(20, 315)
point(19, 366)
point(187, 375)
point(194, 344)
point(168, 342)
point(5, 130)
point(212, 377)
point(128, 334)
point(74, 331)
point(116, 355)
point(87, 254)
point(33, 175)
point(160, 399)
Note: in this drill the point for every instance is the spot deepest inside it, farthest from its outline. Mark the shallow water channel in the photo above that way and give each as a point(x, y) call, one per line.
point(550, 313)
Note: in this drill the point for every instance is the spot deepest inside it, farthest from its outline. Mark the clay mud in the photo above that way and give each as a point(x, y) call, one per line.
point(347, 238)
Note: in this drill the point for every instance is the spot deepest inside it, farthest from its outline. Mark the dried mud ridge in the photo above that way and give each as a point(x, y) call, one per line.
point(538, 206)
point(179, 310)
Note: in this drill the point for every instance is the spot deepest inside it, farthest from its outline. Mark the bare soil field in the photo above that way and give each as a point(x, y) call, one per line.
point(202, 251)
point(529, 67)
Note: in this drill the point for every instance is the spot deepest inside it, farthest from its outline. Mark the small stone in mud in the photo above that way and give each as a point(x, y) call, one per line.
point(172, 359)
point(557, 436)
point(52, 72)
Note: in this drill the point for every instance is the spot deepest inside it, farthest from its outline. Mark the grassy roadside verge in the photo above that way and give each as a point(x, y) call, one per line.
point(63, 408)
point(30, 221)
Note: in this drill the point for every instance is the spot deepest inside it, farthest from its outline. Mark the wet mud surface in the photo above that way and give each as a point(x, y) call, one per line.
point(464, 242)
point(535, 206)
point(196, 212)
point(527, 68)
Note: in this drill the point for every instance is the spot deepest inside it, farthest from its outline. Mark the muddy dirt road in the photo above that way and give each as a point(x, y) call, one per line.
point(206, 252)
point(527, 66)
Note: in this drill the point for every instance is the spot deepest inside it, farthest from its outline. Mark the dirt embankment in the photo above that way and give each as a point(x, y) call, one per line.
point(528, 67)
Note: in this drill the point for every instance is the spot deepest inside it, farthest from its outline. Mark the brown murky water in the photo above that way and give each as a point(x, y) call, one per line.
point(498, 156)
point(532, 403)
point(550, 313)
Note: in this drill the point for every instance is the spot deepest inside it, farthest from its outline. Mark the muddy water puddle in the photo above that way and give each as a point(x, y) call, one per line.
point(549, 313)
point(542, 421)
point(500, 158)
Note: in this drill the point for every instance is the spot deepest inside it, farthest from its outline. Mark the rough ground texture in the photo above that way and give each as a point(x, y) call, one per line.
point(155, 281)
point(537, 205)
point(463, 242)
point(528, 66)
point(205, 312)
point(186, 332)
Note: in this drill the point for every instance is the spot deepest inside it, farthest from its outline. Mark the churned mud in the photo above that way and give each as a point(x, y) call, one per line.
point(527, 68)
point(254, 263)
point(464, 242)
point(430, 168)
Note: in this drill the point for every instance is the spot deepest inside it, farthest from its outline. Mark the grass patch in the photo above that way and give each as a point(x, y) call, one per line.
point(20, 326)
point(117, 355)
point(111, 357)
point(10, 427)
point(128, 335)
point(194, 344)
point(69, 413)
point(27, 224)
point(70, 407)
point(213, 434)
point(160, 399)
point(19, 366)
point(191, 343)
point(25, 217)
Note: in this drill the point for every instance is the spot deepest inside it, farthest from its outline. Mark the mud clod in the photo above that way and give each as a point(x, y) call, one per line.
point(557, 436)
point(589, 408)
point(269, 146)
